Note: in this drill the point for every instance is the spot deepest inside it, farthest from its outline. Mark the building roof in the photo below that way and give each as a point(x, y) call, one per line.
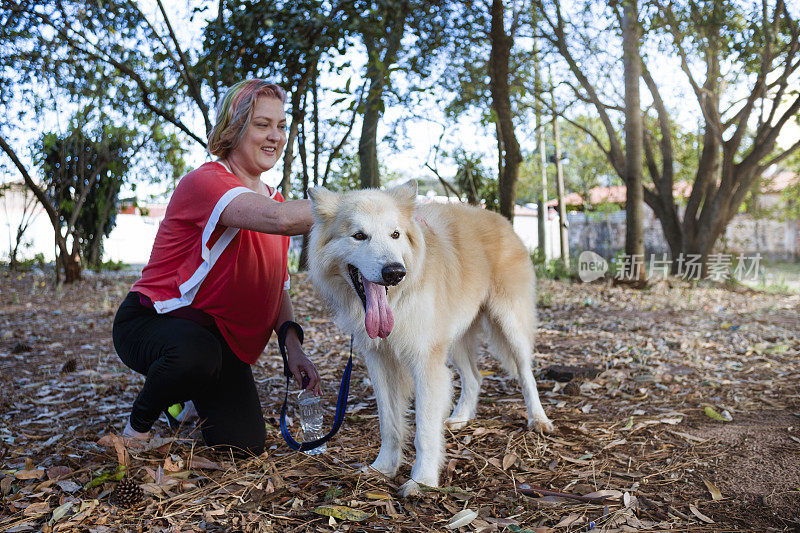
point(681, 189)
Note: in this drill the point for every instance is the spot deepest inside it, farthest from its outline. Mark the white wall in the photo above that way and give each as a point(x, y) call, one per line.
point(130, 241)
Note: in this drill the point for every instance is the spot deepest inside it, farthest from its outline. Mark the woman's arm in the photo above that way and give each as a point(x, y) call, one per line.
point(299, 364)
point(258, 213)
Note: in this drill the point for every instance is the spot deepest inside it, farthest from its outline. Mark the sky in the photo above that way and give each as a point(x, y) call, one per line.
point(422, 133)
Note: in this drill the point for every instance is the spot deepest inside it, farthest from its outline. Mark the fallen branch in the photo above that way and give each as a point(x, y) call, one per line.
point(535, 492)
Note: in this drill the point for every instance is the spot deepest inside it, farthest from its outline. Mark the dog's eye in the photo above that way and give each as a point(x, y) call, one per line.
point(396, 234)
point(360, 236)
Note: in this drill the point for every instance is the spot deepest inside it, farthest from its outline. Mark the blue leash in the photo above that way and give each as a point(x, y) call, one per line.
point(341, 403)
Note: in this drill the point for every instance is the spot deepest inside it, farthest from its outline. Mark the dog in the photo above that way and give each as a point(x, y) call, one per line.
point(416, 284)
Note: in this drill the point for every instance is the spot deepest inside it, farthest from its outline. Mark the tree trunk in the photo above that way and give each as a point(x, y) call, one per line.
point(634, 143)
point(501, 44)
point(302, 263)
point(378, 75)
point(562, 208)
point(369, 173)
point(70, 261)
point(541, 198)
point(298, 115)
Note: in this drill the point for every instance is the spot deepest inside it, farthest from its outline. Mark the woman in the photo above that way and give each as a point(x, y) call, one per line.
point(216, 285)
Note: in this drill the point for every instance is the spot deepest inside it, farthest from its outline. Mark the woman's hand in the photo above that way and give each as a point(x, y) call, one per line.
point(300, 365)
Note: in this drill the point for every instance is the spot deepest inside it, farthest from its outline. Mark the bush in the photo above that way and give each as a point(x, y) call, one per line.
point(114, 266)
point(26, 265)
point(553, 268)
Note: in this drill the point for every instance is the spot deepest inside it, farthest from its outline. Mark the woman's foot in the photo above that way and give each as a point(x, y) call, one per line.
point(133, 437)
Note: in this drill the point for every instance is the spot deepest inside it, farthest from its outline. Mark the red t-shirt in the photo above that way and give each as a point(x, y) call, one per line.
point(235, 275)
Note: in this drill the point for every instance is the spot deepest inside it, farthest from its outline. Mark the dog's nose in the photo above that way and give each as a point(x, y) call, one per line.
point(393, 273)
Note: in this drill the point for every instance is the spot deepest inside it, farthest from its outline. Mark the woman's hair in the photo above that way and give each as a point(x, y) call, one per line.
point(234, 112)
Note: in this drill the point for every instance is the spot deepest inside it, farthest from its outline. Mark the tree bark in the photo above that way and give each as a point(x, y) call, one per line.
point(501, 44)
point(634, 142)
point(378, 76)
point(541, 198)
point(298, 115)
point(562, 208)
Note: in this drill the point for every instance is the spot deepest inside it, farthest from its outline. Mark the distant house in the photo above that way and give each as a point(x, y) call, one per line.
point(770, 235)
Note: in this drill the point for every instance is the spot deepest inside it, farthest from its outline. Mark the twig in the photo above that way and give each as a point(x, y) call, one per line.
point(534, 491)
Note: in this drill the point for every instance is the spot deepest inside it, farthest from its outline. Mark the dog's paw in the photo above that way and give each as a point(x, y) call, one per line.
point(542, 426)
point(410, 489)
point(456, 423)
point(377, 470)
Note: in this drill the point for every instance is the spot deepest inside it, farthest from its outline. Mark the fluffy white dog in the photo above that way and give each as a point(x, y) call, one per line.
point(416, 284)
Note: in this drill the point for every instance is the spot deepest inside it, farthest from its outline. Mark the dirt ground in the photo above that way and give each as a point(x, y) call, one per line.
point(692, 424)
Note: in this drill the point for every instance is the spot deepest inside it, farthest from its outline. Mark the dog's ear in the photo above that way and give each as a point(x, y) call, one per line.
point(406, 192)
point(324, 203)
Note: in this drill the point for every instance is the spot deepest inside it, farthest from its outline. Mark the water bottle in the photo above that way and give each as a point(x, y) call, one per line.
point(309, 408)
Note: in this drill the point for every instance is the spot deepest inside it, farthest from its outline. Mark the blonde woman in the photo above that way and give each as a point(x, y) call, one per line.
point(216, 284)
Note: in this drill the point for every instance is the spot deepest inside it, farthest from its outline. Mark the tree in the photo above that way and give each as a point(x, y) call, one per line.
point(383, 26)
point(501, 43)
point(382, 34)
point(634, 141)
point(84, 45)
point(82, 55)
point(276, 39)
point(82, 175)
point(28, 215)
point(759, 44)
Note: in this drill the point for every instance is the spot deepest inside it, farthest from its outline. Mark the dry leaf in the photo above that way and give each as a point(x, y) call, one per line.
point(699, 515)
point(509, 460)
point(37, 473)
point(58, 472)
point(461, 518)
point(60, 512)
point(378, 495)
point(715, 492)
point(569, 520)
point(341, 512)
point(123, 457)
point(36, 509)
point(200, 462)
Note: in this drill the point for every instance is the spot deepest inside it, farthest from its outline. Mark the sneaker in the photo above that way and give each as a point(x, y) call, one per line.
point(179, 414)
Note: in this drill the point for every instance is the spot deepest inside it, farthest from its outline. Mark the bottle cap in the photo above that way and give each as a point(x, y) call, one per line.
point(306, 381)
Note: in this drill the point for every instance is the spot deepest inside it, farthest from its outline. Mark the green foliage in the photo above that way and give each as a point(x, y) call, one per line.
point(83, 172)
point(474, 181)
point(551, 268)
point(344, 177)
point(26, 265)
point(113, 266)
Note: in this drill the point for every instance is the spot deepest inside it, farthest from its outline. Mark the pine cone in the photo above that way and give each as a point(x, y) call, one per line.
point(69, 366)
point(127, 493)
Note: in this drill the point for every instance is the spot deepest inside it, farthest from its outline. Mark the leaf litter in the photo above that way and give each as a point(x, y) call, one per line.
point(637, 446)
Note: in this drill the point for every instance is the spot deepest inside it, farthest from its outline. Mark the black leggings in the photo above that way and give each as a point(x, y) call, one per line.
point(183, 361)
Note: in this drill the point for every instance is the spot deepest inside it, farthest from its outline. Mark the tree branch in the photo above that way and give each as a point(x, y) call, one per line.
point(37, 191)
point(99, 55)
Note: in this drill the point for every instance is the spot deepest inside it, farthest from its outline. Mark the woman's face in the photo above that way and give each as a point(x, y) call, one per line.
point(265, 138)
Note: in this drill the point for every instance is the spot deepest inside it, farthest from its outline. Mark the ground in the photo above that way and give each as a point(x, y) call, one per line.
point(649, 433)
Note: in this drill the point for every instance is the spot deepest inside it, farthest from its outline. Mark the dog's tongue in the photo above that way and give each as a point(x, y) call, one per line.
point(379, 320)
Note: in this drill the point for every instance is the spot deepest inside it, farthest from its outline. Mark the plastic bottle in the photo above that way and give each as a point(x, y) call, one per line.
point(309, 408)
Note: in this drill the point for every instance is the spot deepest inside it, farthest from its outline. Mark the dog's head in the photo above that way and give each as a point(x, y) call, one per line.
point(363, 243)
